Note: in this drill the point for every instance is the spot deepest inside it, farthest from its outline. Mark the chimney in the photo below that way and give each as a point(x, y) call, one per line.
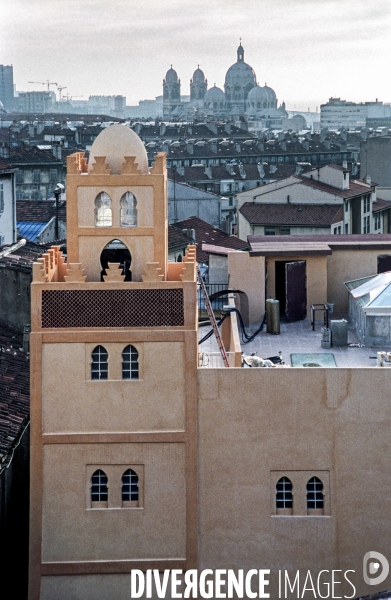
point(261, 170)
point(26, 338)
point(190, 148)
point(191, 234)
point(208, 172)
point(344, 164)
point(368, 179)
point(57, 150)
point(162, 129)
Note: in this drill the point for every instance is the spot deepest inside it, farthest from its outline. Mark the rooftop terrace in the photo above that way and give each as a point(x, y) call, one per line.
point(297, 338)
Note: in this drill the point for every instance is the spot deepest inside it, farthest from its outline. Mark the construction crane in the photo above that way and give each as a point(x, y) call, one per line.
point(60, 88)
point(47, 82)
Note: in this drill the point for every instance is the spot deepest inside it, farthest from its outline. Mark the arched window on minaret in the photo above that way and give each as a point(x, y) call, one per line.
point(103, 213)
point(128, 216)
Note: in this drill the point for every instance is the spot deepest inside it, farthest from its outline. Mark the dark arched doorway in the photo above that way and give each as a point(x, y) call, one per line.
point(116, 252)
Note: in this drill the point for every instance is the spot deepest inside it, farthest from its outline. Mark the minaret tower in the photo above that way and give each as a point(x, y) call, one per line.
point(113, 374)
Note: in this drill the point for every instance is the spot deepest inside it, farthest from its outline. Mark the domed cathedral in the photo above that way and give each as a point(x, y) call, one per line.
point(242, 96)
point(239, 81)
point(171, 92)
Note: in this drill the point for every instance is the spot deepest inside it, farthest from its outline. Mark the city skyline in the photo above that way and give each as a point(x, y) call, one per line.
point(306, 50)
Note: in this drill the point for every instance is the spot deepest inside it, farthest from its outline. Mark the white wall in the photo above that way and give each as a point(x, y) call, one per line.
point(7, 210)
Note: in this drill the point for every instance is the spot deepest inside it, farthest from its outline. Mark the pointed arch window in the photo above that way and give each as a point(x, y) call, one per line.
point(128, 216)
point(103, 212)
point(130, 368)
point(100, 363)
point(99, 490)
point(315, 494)
point(130, 491)
point(284, 496)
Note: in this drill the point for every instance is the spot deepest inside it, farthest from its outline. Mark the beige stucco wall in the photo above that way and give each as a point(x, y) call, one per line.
point(71, 531)
point(346, 265)
point(75, 403)
point(247, 274)
point(316, 269)
point(255, 422)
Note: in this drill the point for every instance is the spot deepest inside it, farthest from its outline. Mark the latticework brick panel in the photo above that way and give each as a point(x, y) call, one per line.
point(112, 308)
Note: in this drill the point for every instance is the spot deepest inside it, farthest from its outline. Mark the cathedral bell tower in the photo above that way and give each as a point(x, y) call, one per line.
point(113, 374)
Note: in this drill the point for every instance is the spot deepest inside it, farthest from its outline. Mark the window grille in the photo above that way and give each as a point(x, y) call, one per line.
point(36, 176)
point(314, 493)
point(130, 486)
point(284, 497)
point(130, 363)
point(99, 491)
point(1, 196)
point(53, 176)
point(128, 216)
point(99, 365)
point(19, 176)
point(103, 213)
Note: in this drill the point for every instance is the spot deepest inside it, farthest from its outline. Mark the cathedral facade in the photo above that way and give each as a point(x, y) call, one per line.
point(242, 95)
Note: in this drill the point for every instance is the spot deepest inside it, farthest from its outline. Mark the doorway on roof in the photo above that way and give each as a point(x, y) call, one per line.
point(116, 252)
point(291, 289)
point(383, 263)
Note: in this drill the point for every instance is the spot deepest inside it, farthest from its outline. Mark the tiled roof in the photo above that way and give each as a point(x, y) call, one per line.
point(290, 214)
point(5, 166)
point(355, 189)
point(39, 210)
point(14, 389)
point(23, 258)
point(176, 238)
point(207, 234)
point(31, 155)
point(380, 204)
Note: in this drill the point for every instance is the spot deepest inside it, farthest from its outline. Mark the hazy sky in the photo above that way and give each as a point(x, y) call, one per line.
point(306, 50)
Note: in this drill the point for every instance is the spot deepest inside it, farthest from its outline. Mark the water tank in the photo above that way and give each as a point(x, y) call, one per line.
point(273, 316)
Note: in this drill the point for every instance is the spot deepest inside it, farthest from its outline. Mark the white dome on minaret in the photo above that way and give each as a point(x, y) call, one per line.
point(115, 142)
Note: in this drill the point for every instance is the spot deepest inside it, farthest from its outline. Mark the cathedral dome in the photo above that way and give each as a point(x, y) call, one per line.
point(214, 94)
point(198, 76)
point(115, 142)
point(261, 97)
point(240, 74)
point(171, 76)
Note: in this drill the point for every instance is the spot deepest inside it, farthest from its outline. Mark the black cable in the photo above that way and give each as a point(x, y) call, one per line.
point(246, 338)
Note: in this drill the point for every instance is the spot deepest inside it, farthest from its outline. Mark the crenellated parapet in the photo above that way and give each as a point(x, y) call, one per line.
point(77, 164)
